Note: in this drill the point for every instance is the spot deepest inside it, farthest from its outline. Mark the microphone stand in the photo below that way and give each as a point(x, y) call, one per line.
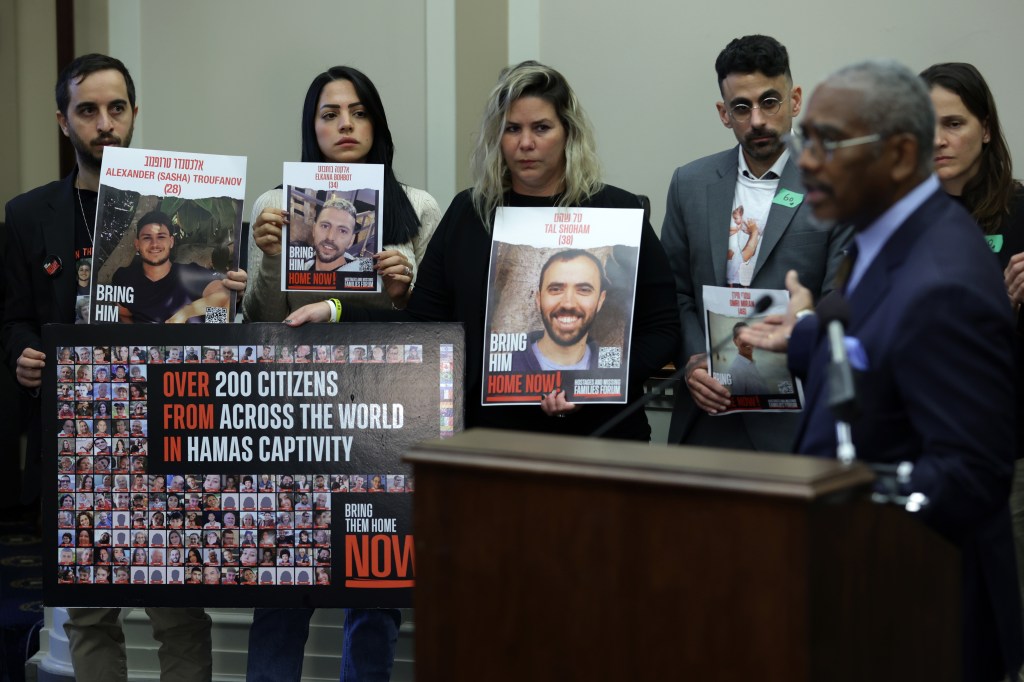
point(760, 307)
point(842, 393)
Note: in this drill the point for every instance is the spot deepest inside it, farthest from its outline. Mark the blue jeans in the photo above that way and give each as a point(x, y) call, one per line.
point(277, 640)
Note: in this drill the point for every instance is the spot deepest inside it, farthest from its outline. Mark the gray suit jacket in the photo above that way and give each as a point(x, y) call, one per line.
point(695, 236)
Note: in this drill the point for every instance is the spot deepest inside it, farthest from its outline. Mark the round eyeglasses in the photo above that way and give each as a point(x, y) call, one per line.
point(769, 106)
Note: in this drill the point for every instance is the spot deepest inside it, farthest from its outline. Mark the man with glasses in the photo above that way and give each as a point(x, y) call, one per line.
point(927, 305)
point(737, 218)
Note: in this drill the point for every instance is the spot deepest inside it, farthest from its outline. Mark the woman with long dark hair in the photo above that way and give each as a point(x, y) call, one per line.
point(973, 163)
point(343, 121)
point(972, 158)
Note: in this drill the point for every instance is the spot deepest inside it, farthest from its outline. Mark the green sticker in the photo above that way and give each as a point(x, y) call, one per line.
point(995, 242)
point(788, 198)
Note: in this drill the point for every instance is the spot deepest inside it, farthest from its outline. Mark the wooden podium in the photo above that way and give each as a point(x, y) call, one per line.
point(556, 558)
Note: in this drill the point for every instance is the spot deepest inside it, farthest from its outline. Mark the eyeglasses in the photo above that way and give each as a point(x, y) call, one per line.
point(769, 106)
point(824, 150)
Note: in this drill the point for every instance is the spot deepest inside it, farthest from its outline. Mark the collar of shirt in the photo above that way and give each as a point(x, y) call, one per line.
point(772, 174)
point(871, 240)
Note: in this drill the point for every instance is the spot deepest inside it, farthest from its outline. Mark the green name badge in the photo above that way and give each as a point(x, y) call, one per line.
point(788, 198)
point(995, 242)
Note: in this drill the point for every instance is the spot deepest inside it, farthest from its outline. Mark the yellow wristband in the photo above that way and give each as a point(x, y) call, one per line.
point(336, 306)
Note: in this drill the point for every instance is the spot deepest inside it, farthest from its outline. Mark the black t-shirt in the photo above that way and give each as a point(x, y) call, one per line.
point(85, 223)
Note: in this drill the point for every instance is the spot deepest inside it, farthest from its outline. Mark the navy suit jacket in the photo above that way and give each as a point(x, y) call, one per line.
point(932, 315)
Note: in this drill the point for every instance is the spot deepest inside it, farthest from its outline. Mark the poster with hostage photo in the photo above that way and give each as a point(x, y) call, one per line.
point(335, 214)
point(167, 226)
point(560, 301)
point(758, 380)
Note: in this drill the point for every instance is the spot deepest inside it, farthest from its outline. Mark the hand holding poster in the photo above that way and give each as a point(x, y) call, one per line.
point(758, 380)
point(559, 304)
point(335, 213)
point(167, 225)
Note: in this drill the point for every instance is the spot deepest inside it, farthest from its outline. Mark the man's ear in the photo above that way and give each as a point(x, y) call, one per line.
point(723, 114)
point(600, 301)
point(904, 149)
point(62, 121)
point(798, 98)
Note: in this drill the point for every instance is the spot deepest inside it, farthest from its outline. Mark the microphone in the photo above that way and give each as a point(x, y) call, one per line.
point(834, 312)
point(762, 304)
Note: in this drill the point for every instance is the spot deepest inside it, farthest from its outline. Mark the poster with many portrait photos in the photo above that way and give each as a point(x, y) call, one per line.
point(239, 465)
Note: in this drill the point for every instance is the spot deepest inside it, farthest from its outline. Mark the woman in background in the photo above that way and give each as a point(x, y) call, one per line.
point(973, 163)
point(343, 121)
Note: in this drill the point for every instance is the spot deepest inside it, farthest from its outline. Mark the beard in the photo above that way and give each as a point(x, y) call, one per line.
point(763, 151)
point(155, 262)
point(560, 338)
point(327, 257)
point(92, 156)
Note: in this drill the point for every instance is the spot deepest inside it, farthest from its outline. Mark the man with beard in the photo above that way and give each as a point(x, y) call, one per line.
point(571, 292)
point(49, 229)
point(737, 218)
point(334, 232)
point(162, 290)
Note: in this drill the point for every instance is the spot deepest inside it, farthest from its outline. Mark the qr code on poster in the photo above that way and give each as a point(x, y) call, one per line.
point(785, 387)
point(365, 264)
point(216, 315)
point(609, 357)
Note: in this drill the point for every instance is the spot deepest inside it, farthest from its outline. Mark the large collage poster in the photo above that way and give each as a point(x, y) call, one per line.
point(239, 465)
point(167, 230)
point(560, 301)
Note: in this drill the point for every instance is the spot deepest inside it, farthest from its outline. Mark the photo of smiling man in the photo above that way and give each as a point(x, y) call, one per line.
point(163, 290)
point(333, 227)
point(334, 231)
point(559, 304)
point(164, 251)
point(570, 295)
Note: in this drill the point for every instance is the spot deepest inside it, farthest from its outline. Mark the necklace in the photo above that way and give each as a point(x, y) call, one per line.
point(90, 229)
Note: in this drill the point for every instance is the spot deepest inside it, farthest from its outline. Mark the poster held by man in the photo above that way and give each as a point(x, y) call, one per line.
point(166, 228)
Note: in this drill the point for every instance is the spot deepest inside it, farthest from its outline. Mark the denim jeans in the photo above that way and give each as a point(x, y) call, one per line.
point(277, 639)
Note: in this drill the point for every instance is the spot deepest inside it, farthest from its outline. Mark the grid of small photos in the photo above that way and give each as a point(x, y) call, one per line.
point(447, 387)
point(119, 525)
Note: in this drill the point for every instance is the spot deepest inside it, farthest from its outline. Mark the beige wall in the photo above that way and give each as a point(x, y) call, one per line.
point(29, 71)
point(229, 76)
point(644, 70)
point(481, 52)
point(10, 172)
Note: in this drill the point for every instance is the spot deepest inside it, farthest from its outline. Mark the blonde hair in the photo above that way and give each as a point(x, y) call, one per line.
point(341, 204)
point(491, 177)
